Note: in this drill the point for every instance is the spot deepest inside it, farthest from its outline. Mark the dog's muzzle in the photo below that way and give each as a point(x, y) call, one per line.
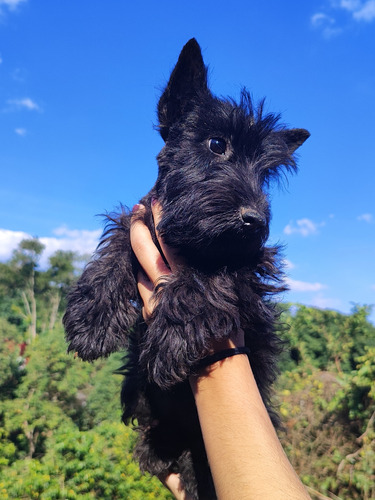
point(252, 218)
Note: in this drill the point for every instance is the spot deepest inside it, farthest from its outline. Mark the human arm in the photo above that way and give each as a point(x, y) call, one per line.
point(245, 455)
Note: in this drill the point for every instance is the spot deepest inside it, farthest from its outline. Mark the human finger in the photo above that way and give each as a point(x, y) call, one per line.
point(170, 254)
point(146, 291)
point(144, 248)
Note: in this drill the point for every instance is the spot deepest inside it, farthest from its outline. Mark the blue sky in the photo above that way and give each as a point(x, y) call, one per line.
point(79, 82)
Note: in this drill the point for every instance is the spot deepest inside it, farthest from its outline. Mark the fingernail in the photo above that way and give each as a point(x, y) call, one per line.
point(135, 208)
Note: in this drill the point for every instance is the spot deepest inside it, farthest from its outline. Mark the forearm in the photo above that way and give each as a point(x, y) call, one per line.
point(245, 455)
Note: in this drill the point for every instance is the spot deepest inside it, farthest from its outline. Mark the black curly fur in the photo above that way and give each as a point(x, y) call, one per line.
point(216, 215)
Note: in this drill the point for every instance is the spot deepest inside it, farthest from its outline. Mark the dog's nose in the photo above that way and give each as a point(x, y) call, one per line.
point(252, 218)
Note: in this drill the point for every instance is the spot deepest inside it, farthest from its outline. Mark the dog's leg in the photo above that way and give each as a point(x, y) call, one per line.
point(102, 307)
point(192, 310)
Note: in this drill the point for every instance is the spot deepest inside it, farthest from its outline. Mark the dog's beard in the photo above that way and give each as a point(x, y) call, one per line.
point(214, 242)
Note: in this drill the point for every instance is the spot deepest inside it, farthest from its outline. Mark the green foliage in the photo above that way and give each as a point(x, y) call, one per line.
point(327, 339)
point(85, 465)
point(60, 430)
point(327, 399)
point(31, 298)
point(11, 361)
point(61, 436)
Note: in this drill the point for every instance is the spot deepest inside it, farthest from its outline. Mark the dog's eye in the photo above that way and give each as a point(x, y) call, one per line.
point(217, 146)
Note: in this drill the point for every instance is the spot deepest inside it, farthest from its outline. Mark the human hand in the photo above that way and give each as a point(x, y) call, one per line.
point(153, 267)
point(154, 270)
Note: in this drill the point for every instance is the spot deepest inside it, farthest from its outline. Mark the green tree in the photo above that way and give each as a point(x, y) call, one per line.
point(322, 338)
point(94, 464)
point(24, 262)
point(61, 275)
point(11, 360)
point(327, 398)
point(61, 436)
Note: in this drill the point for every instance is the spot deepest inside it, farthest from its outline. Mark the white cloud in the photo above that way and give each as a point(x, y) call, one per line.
point(358, 10)
point(304, 286)
point(326, 302)
point(288, 264)
point(80, 241)
point(350, 4)
point(25, 103)
point(326, 24)
point(317, 18)
point(361, 11)
point(366, 12)
point(11, 4)
point(304, 227)
point(19, 75)
point(9, 240)
point(320, 19)
point(365, 217)
point(20, 131)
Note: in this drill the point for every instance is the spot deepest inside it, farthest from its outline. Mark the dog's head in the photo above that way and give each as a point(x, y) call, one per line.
point(215, 167)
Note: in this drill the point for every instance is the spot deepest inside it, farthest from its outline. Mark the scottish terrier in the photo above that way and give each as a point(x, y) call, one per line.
point(214, 173)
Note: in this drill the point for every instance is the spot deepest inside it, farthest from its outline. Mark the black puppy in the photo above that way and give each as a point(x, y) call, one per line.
point(214, 173)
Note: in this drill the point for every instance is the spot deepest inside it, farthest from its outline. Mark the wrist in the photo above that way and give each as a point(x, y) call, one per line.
point(220, 376)
point(236, 340)
point(221, 355)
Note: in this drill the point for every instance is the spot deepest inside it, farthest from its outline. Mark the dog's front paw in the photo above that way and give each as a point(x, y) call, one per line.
point(190, 314)
point(169, 352)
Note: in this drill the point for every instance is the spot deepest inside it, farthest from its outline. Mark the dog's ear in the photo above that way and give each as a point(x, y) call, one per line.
point(294, 138)
point(102, 307)
point(188, 79)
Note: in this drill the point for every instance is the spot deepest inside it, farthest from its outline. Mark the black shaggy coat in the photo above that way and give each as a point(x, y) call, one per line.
point(214, 173)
